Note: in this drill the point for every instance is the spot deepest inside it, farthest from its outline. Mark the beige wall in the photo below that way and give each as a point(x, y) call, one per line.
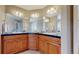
point(2, 17)
point(66, 31)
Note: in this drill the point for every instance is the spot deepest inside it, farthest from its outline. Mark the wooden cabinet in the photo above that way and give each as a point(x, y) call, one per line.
point(22, 44)
point(0, 45)
point(49, 45)
point(53, 48)
point(10, 46)
point(43, 47)
point(33, 42)
point(14, 44)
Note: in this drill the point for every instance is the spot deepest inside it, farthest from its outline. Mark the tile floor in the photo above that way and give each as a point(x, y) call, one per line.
point(30, 52)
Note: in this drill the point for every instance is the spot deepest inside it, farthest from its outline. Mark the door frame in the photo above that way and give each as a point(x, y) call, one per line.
point(65, 30)
point(76, 38)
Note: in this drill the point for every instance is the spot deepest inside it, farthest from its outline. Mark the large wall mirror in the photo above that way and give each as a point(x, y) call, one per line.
point(35, 23)
point(12, 24)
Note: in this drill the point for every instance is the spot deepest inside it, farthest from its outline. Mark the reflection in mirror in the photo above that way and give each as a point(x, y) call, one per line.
point(52, 20)
point(35, 24)
point(59, 23)
point(13, 24)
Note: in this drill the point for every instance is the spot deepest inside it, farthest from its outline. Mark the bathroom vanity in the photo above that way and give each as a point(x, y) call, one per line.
point(15, 43)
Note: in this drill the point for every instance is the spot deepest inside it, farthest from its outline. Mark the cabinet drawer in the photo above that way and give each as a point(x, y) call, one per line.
point(43, 38)
point(9, 37)
point(54, 40)
point(50, 39)
point(15, 37)
point(21, 36)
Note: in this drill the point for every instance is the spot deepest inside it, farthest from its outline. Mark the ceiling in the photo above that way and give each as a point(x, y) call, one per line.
point(31, 7)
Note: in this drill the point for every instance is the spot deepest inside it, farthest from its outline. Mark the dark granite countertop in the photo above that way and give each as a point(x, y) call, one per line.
point(56, 36)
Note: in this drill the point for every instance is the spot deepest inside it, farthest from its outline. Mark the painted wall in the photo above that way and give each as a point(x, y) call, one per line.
point(66, 31)
point(2, 18)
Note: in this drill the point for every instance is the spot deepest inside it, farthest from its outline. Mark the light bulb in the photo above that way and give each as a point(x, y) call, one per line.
point(16, 13)
point(52, 9)
point(44, 17)
point(20, 14)
point(48, 11)
point(35, 15)
point(46, 20)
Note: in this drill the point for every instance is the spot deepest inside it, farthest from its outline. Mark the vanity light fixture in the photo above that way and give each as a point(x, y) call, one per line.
point(51, 11)
point(35, 15)
point(19, 14)
point(16, 13)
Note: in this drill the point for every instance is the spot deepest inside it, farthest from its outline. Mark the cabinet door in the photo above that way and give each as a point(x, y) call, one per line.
point(14, 44)
point(10, 46)
point(22, 44)
point(53, 48)
point(43, 46)
point(33, 42)
point(0, 45)
point(19, 45)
